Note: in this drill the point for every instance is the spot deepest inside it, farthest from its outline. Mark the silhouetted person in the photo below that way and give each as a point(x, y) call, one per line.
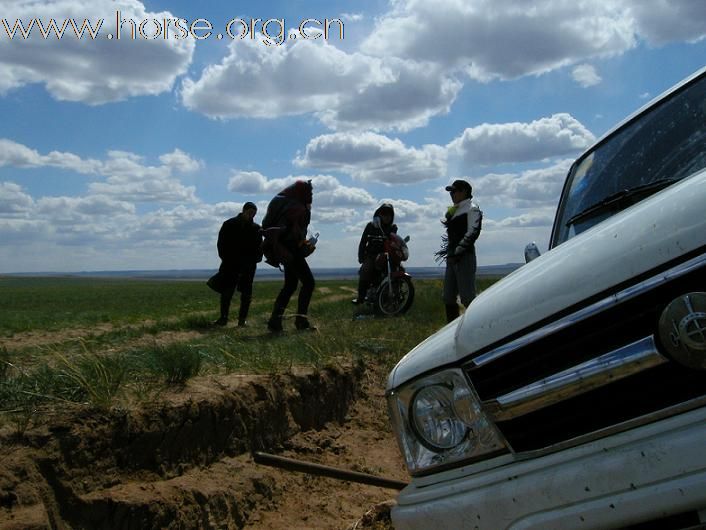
point(285, 227)
point(371, 244)
point(240, 249)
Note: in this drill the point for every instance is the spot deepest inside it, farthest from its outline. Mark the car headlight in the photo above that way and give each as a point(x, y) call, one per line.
point(439, 421)
point(435, 419)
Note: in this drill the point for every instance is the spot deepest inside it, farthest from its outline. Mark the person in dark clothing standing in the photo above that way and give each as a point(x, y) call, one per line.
point(371, 244)
point(286, 223)
point(463, 225)
point(240, 249)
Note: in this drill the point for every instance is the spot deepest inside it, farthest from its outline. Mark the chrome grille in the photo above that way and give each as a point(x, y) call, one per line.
point(591, 369)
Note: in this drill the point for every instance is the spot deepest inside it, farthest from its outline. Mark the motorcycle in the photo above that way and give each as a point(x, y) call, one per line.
point(391, 291)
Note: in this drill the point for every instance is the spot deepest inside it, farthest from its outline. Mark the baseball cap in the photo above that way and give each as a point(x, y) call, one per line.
point(460, 185)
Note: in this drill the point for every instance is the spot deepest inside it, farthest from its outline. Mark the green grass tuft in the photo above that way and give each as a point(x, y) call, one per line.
point(174, 363)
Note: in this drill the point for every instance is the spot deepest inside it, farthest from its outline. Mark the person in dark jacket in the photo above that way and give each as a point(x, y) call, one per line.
point(463, 225)
point(371, 244)
point(286, 223)
point(240, 249)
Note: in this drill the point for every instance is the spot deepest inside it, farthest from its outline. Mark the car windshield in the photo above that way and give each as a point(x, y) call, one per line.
point(665, 144)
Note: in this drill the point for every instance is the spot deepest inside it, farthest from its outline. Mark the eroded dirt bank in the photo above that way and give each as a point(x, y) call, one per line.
point(185, 462)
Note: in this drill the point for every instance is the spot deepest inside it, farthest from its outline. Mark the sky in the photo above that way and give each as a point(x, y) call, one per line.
point(126, 148)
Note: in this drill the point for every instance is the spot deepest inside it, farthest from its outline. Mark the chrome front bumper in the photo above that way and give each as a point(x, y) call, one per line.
point(635, 476)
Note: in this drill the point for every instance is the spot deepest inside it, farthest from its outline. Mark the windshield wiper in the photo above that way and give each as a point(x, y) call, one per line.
point(620, 197)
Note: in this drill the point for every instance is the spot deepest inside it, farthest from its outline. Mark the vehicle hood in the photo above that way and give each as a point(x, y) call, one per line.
point(642, 237)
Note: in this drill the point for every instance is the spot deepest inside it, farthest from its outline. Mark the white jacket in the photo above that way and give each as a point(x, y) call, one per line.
point(474, 219)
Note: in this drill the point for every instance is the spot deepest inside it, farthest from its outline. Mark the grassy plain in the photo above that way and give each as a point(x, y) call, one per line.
point(114, 342)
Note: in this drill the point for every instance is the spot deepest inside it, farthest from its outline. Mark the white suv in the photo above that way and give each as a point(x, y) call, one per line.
point(572, 393)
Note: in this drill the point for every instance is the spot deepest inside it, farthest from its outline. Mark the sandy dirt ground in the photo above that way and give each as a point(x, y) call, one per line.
point(186, 461)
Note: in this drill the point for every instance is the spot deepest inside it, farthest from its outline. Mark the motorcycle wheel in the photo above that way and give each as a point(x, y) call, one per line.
point(397, 300)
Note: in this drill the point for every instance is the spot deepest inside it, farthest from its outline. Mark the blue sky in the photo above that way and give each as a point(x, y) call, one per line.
point(129, 154)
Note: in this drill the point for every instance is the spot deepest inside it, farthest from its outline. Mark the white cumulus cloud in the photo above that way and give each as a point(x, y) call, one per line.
point(586, 75)
point(371, 157)
point(89, 70)
point(498, 143)
point(345, 90)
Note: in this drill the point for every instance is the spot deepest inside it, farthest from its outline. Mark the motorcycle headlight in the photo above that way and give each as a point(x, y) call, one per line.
point(439, 421)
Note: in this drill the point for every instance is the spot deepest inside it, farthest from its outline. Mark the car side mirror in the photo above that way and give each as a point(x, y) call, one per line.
point(531, 252)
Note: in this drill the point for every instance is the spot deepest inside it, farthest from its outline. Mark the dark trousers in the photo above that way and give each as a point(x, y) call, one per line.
point(241, 278)
point(366, 274)
point(295, 271)
point(459, 280)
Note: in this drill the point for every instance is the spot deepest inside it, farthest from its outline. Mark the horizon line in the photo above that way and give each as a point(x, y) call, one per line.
point(270, 270)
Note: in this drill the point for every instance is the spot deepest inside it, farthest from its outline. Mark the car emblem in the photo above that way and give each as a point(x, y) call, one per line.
point(682, 330)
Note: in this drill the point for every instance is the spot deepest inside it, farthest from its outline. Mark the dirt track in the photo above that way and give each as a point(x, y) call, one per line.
point(185, 462)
